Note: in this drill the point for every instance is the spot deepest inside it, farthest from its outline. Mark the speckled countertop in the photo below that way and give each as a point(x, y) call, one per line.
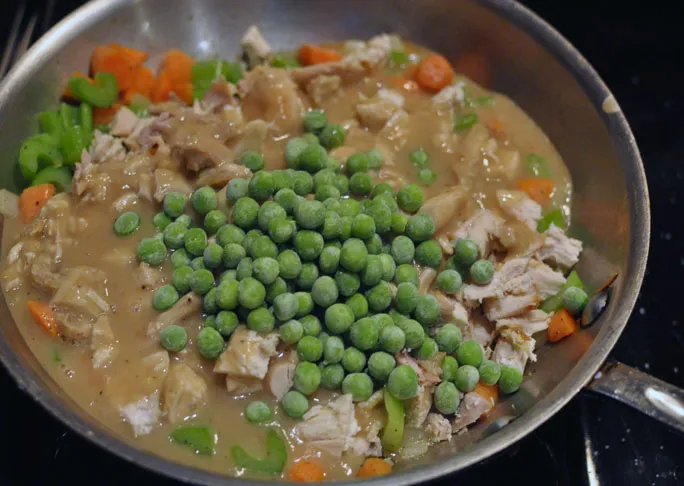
point(638, 51)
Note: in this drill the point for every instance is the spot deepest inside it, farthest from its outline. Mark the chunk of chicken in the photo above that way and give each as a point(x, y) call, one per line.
point(248, 354)
point(219, 98)
point(396, 129)
point(418, 407)
point(558, 249)
point(329, 427)
point(281, 374)
point(82, 290)
point(106, 147)
point(444, 206)
point(73, 326)
point(449, 96)
point(483, 228)
point(510, 305)
point(103, 344)
point(124, 122)
point(511, 270)
point(323, 88)
point(255, 49)
point(532, 322)
point(472, 407)
point(142, 415)
point(478, 329)
point(269, 94)
point(166, 181)
point(240, 386)
point(185, 392)
point(42, 273)
point(148, 276)
point(189, 304)
point(519, 205)
point(253, 137)
point(437, 428)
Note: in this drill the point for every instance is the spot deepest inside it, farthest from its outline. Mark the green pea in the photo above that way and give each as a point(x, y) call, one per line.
point(180, 278)
point(251, 293)
point(374, 244)
point(151, 251)
point(324, 193)
point(332, 225)
point(305, 303)
point(347, 283)
point(446, 398)
point(262, 247)
point(174, 204)
point(325, 177)
point(291, 332)
point(281, 230)
point(261, 320)
point(290, 265)
point(324, 291)
point(448, 338)
point(173, 338)
point(392, 339)
point(308, 244)
point(350, 207)
point(574, 300)
point(249, 239)
point(233, 255)
point(338, 318)
point(228, 275)
point(427, 350)
point(310, 214)
point(229, 233)
point(466, 378)
point(429, 253)
point(333, 350)
point(510, 379)
point(180, 258)
point(209, 305)
point(312, 159)
point(209, 343)
point(282, 179)
point(332, 376)
point(204, 200)
point(329, 260)
point(382, 216)
point(174, 235)
point(353, 360)
point(269, 211)
point(293, 148)
point(244, 268)
point(414, 332)
point(427, 310)
point(358, 305)
point(245, 212)
point(332, 205)
point(253, 160)
point(402, 382)
point(164, 297)
point(379, 297)
point(261, 186)
point(213, 254)
point(490, 372)
point(213, 220)
point(287, 199)
point(383, 188)
point(310, 348)
point(311, 325)
point(419, 157)
point(332, 136)
point(307, 378)
point(357, 162)
point(354, 255)
point(294, 404)
point(364, 333)
point(406, 298)
point(399, 222)
point(358, 385)
point(237, 188)
point(195, 241)
point(465, 251)
point(449, 368)
point(375, 159)
point(226, 322)
point(380, 365)
point(410, 198)
point(227, 294)
point(278, 287)
point(407, 273)
point(482, 272)
point(360, 184)
point(341, 183)
point(184, 219)
point(427, 176)
point(363, 226)
point(449, 281)
point(258, 412)
point(127, 223)
point(307, 276)
point(470, 353)
point(285, 306)
point(389, 267)
point(420, 227)
point(403, 250)
point(302, 183)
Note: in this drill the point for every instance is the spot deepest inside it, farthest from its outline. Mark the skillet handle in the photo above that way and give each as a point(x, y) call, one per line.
point(654, 397)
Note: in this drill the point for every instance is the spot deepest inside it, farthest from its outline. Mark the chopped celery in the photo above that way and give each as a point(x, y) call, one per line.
point(538, 166)
point(37, 152)
point(102, 92)
point(273, 463)
point(555, 302)
point(60, 177)
point(554, 216)
point(465, 121)
point(199, 438)
point(393, 432)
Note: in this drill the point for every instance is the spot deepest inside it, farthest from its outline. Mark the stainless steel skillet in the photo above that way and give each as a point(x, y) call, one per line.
point(531, 63)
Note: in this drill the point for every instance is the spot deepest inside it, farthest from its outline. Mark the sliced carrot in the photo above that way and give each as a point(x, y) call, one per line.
point(162, 88)
point(488, 392)
point(310, 54)
point(434, 73)
point(32, 200)
point(374, 466)
point(184, 92)
point(476, 67)
point(142, 85)
point(121, 63)
point(178, 66)
point(67, 94)
point(497, 128)
point(43, 316)
point(104, 116)
point(561, 326)
point(306, 472)
point(539, 188)
point(139, 56)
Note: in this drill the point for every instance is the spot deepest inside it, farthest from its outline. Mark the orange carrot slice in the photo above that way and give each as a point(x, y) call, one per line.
point(43, 315)
point(310, 54)
point(32, 200)
point(434, 73)
point(306, 472)
point(539, 188)
point(374, 466)
point(561, 326)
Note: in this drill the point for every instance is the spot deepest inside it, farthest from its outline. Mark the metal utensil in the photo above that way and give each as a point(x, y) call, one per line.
point(531, 63)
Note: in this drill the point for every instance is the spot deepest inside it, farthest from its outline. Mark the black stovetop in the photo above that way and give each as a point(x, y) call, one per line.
point(638, 51)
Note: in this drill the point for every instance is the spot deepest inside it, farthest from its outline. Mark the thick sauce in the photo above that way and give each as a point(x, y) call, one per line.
point(484, 168)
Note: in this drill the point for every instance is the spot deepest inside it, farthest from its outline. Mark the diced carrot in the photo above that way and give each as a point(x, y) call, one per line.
point(561, 326)
point(184, 92)
point(67, 94)
point(374, 466)
point(121, 63)
point(32, 200)
point(104, 116)
point(476, 67)
point(139, 56)
point(539, 188)
point(497, 128)
point(434, 73)
point(310, 54)
point(488, 392)
point(178, 66)
point(306, 472)
point(142, 84)
point(162, 88)
point(43, 316)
